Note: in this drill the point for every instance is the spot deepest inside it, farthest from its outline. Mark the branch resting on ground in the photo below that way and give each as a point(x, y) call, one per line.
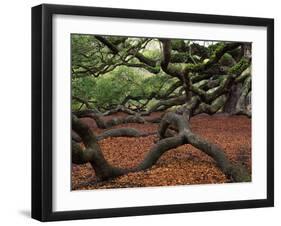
point(93, 153)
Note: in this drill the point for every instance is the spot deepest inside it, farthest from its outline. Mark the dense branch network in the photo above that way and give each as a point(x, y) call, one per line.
point(209, 78)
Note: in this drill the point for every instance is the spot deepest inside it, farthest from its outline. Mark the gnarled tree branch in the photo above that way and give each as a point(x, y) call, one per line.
point(93, 154)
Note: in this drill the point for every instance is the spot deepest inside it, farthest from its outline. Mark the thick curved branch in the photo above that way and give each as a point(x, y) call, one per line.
point(122, 132)
point(165, 104)
point(169, 68)
point(119, 108)
point(103, 124)
point(246, 73)
point(211, 94)
point(77, 154)
point(158, 150)
point(237, 173)
point(212, 108)
point(93, 154)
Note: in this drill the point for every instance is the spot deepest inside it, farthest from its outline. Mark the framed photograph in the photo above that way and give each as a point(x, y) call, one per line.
point(146, 112)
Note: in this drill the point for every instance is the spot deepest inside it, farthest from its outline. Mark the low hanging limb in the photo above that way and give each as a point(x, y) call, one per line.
point(105, 124)
point(123, 132)
point(93, 153)
point(102, 124)
point(119, 132)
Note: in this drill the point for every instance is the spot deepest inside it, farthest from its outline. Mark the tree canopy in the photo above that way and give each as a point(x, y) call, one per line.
point(144, 74)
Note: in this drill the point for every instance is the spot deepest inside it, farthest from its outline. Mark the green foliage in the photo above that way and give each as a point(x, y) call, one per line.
point(152, 54)
point(107, 69)
point(84, 52)
point(110, 90)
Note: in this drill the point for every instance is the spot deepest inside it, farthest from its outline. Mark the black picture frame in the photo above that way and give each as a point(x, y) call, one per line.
point(42, 107)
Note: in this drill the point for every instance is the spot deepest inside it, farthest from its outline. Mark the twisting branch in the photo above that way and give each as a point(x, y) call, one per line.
point(93, 154)
point(169, 68)
point(123, 132)
point(213, 59)
point(115, 50)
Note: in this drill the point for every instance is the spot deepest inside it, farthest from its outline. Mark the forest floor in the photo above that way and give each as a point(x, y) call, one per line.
point(180, 166)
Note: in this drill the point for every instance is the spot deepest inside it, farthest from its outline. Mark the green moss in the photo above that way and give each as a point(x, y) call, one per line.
point(227, 60)
point(212, 48)
point(239, 67)
point(217, 50)
point(244, 75)
point(194, 67)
